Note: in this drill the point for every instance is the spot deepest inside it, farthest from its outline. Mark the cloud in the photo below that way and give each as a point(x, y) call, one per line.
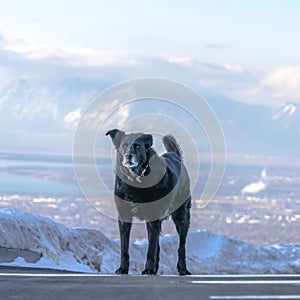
point(93, 66)
point(19, 59)
point(234, 68)
point(285, 82)
point(40, 60)
point(72, 55)
point(217, 46)
point(179, 60)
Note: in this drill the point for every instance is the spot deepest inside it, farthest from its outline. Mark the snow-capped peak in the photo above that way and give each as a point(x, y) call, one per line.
point(287, 110)
point(290, 109)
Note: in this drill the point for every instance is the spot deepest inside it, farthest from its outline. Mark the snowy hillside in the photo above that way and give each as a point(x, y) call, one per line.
point(33, 241)
point(58, 247)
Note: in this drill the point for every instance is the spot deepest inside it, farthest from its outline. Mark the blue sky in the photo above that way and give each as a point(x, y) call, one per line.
point(55, 56)
point(256, 34)
point(245, 50)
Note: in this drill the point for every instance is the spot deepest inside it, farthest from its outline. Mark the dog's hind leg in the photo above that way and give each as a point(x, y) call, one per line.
point(181, 218)
point(152, 264)
point(124, 229)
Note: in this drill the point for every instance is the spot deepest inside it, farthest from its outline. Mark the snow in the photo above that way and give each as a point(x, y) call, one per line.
point(71, 119)
point(88, 250)
point(76, 249)
point(256, 187)
point(288, 110)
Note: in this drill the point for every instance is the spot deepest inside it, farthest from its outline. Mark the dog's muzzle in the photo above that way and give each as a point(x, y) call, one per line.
point(129, 161)
point(131, 175)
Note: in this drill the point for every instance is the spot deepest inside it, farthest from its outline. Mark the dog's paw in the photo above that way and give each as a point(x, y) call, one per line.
point(121, 271)
point(149, 272)
point(183, 272)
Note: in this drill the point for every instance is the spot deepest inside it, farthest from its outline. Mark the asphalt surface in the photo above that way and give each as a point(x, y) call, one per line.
point(19, 283)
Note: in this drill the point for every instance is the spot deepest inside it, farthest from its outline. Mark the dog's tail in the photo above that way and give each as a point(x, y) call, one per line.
point(171, 145)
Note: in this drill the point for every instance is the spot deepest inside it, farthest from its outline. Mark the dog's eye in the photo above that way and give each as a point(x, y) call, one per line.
point(136, 146)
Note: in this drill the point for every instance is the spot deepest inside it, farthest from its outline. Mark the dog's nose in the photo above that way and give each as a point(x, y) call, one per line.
point(128, 156)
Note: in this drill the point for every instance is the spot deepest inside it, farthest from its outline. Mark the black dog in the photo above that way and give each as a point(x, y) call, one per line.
point(150, 187)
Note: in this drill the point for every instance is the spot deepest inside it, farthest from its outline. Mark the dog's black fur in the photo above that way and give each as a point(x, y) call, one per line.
point(136, 162)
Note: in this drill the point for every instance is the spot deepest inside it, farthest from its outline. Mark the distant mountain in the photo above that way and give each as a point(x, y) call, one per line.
point(33, 116)
point(287, 119)
point(259, 130)
point(28, 103)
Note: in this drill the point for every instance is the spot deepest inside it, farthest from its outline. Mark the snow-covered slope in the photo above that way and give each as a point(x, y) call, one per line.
point(60, 247)
point(28, 240)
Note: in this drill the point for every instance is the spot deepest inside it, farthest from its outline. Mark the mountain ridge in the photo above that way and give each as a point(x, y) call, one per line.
point(32, 108)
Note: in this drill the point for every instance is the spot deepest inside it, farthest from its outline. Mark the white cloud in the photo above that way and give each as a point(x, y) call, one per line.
point(178, 60)
point(93, 57)
point(285, 82)
point(42, 61)
point(234, 68)
point(75, 56)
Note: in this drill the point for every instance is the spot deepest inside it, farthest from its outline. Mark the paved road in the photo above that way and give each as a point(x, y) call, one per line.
point(18, 283)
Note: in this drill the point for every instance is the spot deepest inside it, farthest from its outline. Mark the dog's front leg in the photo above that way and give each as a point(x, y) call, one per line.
point(124, 229)
point(153, 229)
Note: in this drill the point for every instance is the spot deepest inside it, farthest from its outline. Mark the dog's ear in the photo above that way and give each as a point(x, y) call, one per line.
point(148, 140)
point(116, 136)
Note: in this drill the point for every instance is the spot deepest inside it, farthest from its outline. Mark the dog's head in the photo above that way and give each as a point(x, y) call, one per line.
point(133, 150)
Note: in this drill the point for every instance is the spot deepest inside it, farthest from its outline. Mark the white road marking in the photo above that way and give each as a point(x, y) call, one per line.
point(273, 276)
point(52, 275)
point(245, 281)
point(241, 276)
point(250, 297)
point(245, 275)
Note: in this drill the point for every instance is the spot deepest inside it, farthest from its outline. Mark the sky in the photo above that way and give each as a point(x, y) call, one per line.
point(248, 51)
point(256, 38)
point(256, 34)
